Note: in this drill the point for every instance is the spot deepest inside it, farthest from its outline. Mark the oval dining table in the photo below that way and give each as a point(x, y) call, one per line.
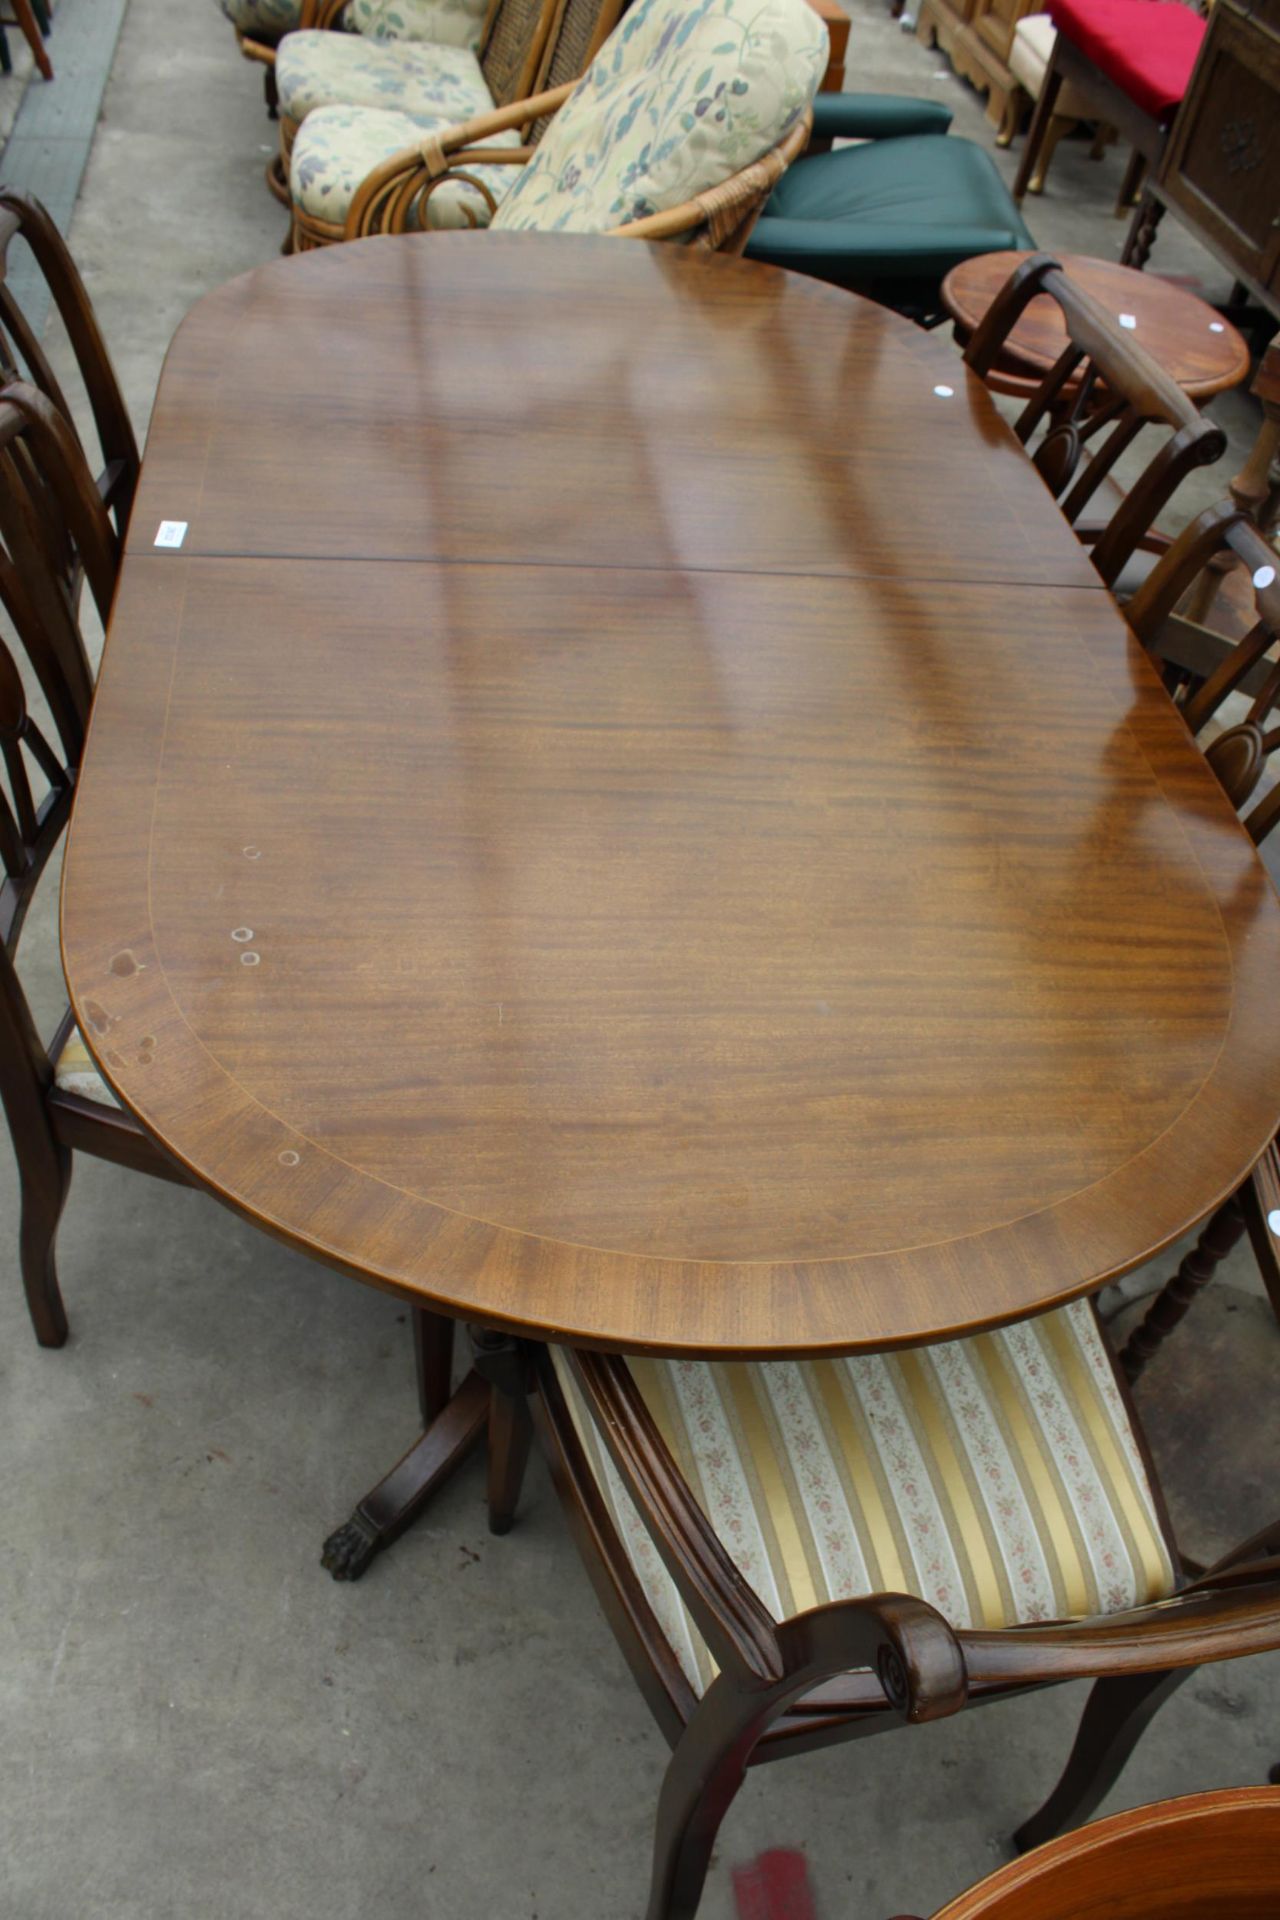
point(625, 816)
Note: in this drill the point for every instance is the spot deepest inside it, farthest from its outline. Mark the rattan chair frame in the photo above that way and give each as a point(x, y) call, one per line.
point(393, 198)
point(530, 76)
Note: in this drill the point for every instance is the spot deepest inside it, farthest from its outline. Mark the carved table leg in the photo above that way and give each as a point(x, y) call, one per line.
point(1171, 1303)
point(399, 1498)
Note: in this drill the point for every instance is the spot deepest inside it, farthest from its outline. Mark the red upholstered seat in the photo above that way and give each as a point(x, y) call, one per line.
point(1147, 47)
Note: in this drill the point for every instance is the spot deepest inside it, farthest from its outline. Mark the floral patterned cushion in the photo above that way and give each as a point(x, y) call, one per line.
point(342, 70)
point(75, 1072)
point(270, 17)
point(680, 97)
point(453, 23)
point(337, 147)
point(998, 1478)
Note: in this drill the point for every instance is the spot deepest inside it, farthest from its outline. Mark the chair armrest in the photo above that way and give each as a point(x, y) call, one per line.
point(877, 251)
point(875, 116)
point(1240, 1614)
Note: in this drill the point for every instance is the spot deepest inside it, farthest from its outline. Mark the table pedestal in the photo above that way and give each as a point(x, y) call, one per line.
point(492, 1399)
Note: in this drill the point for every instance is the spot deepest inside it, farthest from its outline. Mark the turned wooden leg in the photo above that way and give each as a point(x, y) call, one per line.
point(1142, 233)
point(432, 1361)
point(502, 1361)
point(1046, 107)
point(1131, 185)
point(1116, 1715)
point(26, 20)
point(45, 1179)
point(1058, 125)
point(1011, 119)
point(1171, 1303)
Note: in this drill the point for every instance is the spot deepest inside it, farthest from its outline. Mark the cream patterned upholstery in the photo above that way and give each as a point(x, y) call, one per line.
point(442, 20)
point(679, 98)
point(337, 147)
point(998, 1478)
point(75, 1072)
point(1029, 57)
point(342, 70)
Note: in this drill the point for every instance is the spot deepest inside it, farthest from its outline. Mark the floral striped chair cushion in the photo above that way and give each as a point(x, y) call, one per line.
point(680, 97)
point(442, 20)
point(998, 1478)
point(337, 147)
point(75, 1072)
point(341, 69)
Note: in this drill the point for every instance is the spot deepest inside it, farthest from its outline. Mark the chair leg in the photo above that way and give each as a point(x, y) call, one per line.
point(1058, 125)
point(31, 34)
point(702, 1777)
point(1046, 107)
point(1011, 119)
point(271, 93)
point(44, 1194)
point(1141, 236)
point(1172, 1302)
point(1115, 1717)
point(1131, 185)
point(432, 1361)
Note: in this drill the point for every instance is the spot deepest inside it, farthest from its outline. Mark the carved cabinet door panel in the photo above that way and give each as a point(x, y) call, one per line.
point(1222, 163)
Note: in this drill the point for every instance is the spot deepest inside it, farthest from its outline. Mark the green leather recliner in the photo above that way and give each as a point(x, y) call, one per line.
point(891, 217)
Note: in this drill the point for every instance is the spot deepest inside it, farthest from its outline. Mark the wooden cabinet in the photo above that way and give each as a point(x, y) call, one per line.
point(1221, 167)
point(977, 36)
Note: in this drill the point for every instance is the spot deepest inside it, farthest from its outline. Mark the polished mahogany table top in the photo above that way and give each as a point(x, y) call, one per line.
point(1203, 352)
point(603, 829)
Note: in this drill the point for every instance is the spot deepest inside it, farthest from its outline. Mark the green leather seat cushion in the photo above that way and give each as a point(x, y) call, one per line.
point(906, 209)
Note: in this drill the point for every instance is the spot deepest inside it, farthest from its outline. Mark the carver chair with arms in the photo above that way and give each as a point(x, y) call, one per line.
point(678, 130)
point(1101, 394)
point(989, 1501)
point(891, 216)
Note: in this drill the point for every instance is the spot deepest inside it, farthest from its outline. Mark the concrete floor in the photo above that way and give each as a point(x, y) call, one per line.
point(197, 1722)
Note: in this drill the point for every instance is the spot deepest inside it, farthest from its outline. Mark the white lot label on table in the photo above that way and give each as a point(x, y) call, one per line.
point(172, 533)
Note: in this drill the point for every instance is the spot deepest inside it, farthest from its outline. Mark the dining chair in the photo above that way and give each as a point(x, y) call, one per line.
point(377, 98)
point(55, 1100)
point(795, 1553)
point(1248, 676)
point(22, 356)
point(678, 130)
point(1130, 61)
point(1209, 1856)
point(1101, 394)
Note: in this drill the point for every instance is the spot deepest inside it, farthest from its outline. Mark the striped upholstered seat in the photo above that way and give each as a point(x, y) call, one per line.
point(997, 1478)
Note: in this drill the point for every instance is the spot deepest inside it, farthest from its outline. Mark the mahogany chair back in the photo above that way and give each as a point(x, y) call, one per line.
point(1211, 1856)
point(49, 506)
point(1239, 755)
point(1101, 393)
point(22, 356)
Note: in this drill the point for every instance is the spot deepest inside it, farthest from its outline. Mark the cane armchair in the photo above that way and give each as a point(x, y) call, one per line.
point(1102, 393)
point(375, 98)
point(638, 147)
point(738, 1518)
point(1248, 676)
